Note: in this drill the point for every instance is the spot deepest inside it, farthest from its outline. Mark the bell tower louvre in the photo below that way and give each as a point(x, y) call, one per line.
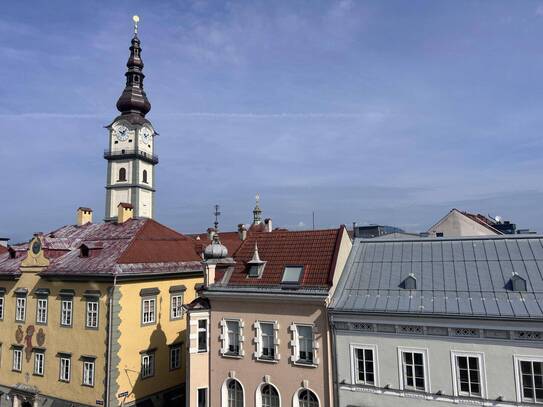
point(130, 157)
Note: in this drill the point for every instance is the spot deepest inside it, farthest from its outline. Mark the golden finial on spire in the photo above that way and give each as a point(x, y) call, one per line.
point(136, 20)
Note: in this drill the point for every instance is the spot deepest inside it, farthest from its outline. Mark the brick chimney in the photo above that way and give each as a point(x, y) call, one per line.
point(125, 211)
point(242, 232)
point(83, 216)
point(268, 224)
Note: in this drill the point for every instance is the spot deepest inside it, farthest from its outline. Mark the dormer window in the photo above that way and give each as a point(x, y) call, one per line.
point(84, 251)
point(410, 283)
point(518, 283)
point(292, 274)
point(255, 267)
point(12, 253)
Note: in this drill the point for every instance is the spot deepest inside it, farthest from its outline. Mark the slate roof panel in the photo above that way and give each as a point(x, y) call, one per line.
point(455, 276)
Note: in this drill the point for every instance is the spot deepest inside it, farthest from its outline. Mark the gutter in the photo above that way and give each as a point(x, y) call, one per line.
point(109, 335)
point(262, 296)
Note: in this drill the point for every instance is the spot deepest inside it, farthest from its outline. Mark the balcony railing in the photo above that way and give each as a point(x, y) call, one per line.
point(128, 154)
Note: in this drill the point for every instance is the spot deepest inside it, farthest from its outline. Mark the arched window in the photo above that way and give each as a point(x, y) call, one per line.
point(235, 393)
point(270, 397)
point(144, 177)
point(122, 174)
point(307, 398)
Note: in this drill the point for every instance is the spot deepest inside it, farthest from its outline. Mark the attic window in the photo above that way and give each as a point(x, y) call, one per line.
point(292, 274)
point(12, 253)
point(84, 251)
point(410, 283)
point(518, 283)
point(255, 270)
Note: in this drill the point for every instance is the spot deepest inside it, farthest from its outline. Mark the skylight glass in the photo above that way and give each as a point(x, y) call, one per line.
point(292, 274)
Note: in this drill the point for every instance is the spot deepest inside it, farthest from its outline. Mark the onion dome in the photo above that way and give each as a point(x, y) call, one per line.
point(133, 99)
point(215, 250)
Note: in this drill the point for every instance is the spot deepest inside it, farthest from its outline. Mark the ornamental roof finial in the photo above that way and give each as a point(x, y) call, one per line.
point(257, 212)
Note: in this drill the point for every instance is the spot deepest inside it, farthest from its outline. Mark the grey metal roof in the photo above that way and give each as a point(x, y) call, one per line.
point(455, 277)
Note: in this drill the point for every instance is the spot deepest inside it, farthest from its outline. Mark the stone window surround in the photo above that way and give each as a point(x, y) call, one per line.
point(224, 337)
point(294, 357)
point(426, 365)
point(258, 341)
point(482, 372)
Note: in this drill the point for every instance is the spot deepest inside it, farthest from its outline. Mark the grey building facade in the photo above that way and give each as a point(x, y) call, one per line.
point(440, 321)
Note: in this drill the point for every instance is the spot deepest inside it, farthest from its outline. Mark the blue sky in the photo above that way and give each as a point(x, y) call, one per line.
point(377, 112)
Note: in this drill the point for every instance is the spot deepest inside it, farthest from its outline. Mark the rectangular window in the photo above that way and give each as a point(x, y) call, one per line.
point(267, 340)
point(66, 312)
point(65, 369)
point(39, 359)
point(413, 370)
point(147, 365)
point(1, 307)
point(148, 311)
point(202, 335)
point(202, 397)
point(531, 380)
point(17, 359)
point(92, 314)
point(232, 337)
point(468, 375)
point(176, 304)
point(20, 309)
point(305, 343)
point(88, 373)
point(41, 311)
point(175, 357)
point(292, 274)
point(364, 365)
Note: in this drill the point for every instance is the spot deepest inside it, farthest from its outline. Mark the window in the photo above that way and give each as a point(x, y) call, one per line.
point(267, 340)
point(531, 380)
point(413, 370)
point(41, 311)
point(176, 304)
point(468, 374)
point(65, 369)
point(17, 359)
point(175, 357)
point(364, 365)
point(235, 393)
point(439, 234)
point(39, 359)
point(88, 373)
point(92, 314)
point(232, 338)
point(20, 309)
point(270, 397)
point(144, 177)
point(147, 365)
point(202, 335)
point(292, 274)
point(66, 312)
point(305, 343)
point(1, 307)
point(122, 174)
point(148, 312)
point(202, 397)
point(306, 398)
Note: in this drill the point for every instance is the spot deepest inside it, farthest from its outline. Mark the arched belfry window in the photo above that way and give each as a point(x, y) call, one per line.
point(235, 393)
point(144, 177)
point(270, 397)
point(122, 174)
point(306, 398)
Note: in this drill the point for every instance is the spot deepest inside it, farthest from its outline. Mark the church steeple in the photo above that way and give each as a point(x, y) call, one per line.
point(133, 99)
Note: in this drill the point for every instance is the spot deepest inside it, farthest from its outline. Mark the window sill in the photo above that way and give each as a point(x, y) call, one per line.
point(87, 385)
point(202, 350)
point(267, 360)
point(37, 374)
point(305, 364)
point(232, 356)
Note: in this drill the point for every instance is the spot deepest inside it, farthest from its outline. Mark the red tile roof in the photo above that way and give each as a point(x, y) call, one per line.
point(3, 249)
point(230, 240)
point(136, 246)
point(315, 250)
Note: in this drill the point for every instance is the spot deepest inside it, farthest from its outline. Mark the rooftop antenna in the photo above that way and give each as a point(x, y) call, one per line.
point(313, 220)
point(217, 213)
point(136, 20)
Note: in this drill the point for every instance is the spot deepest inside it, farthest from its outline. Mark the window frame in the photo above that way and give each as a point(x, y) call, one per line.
point(151, 357)
point(62, 360)
point(23, 299)
point(517, 359)
point(180, 297)
point(295, 343)
point(206, 392)
point(176, 347)
point(17, 350)
point(88, 362)
point(63, 301)
point(426, 369)
point(2, 306)
point(259, 340)
point(89, 313)
point(225, 393)
point(300, 276)
point(150, 298)
point(354, 364)
point(38, 372)
point(39, 300)
point(225, 338)
point(205, 332)
point(456, 373)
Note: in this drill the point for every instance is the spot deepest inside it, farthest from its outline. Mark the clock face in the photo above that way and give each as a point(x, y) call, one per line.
point(121, 132)
point(146, 135)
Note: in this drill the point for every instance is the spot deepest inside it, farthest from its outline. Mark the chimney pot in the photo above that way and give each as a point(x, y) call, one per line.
point(125, 211)
point(83, 216)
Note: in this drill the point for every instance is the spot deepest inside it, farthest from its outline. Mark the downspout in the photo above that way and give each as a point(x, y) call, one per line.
point(109, 335)
point(334, 362)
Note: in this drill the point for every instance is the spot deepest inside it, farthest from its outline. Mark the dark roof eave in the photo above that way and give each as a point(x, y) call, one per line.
point(226, 292)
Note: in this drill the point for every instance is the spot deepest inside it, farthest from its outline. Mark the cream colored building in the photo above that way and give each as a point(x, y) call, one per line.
point(457, 223)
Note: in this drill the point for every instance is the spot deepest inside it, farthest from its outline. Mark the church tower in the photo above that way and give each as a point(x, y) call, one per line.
point(130, 157)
